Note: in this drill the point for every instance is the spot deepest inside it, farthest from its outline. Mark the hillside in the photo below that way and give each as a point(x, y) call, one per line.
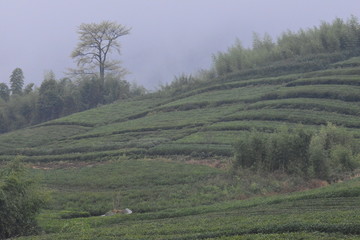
point(180, 201)
point(166, 157)
point(237, 152)
point(204, 120)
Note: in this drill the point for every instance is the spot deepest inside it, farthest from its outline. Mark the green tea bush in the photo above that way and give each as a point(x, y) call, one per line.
point(326, 105)
point(74, 214)
point(339, 80)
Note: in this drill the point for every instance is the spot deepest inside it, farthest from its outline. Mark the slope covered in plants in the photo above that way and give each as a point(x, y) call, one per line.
point(204, 121)
point(148, 153)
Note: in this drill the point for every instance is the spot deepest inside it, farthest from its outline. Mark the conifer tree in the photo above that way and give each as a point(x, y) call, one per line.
point(17, 81)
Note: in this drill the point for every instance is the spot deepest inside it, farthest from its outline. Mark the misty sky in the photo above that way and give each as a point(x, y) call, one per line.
point(168, 37)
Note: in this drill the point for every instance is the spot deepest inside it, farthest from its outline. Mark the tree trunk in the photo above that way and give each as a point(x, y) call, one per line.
point(102, 73)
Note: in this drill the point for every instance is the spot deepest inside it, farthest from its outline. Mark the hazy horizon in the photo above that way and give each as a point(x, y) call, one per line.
point(168, 37)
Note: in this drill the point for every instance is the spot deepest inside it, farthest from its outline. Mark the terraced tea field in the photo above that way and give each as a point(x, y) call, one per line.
point(204, 121)
point(173, 200)
point(166, 156)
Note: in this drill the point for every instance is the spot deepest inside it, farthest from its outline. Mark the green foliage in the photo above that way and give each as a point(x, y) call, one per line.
point(97, 40)
point(318, 158)
point(288, 151)
point(20, 201)
point(115, 89)
point(4, 92)
point(250, 151)
point(137, 90)
point(333, 152)
point(57, 98)
point(198, 115)
point(50, 104)
point(74, 214)
point(285, 151)
point(91, 92)
point(143, 185)
point(17, 81)
point(324, 105)
point(328, 38)
point(29, 88)
point(324, 155)
point(271, 88)
point(325, 213)
point(60, 98)
point(3, 126)
point(182, 84)
point(291, 115)
point(203, 122)
point(19, 111)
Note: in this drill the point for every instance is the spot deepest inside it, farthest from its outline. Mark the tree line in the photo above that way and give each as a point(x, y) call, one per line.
point(98, 79)
point(316, 47)
point(339, 35)
point(23, 106)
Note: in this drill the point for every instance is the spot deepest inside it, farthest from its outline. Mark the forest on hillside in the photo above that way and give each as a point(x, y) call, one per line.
point(278, 117)
point(340, 38)
point(21, 107)
point(97, 80)
point(24, 106)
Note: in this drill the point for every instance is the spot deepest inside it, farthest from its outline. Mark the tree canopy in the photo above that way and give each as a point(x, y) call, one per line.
point(4, 92)
point(325, 154)
point(17, 81)
point(332, 37)
point(97, 42)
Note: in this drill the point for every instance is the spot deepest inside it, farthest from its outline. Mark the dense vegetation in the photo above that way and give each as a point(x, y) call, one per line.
point(58, 98)
point(98, 79)
point(205, 121)
point(327, 38)
point(20, 201)
point(324, 155)
point(212, 156)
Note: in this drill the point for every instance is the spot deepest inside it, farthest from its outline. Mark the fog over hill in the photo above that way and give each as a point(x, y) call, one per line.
point(168, 37)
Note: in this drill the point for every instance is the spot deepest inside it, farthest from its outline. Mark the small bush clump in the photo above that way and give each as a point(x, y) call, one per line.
point(325, 155)
point(20, 201)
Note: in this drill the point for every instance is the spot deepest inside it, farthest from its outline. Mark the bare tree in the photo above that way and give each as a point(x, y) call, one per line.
point(97, 42)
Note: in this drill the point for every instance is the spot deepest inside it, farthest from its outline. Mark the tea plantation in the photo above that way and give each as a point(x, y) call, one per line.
point(167, 157)
point(172, 200)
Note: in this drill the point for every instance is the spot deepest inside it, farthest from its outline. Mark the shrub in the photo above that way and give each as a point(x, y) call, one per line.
point(326, 154)
point(74, 214)
point(317, 158)
point(285, 151)
point(250, 151)
point(333, 151)
point(20, 201)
